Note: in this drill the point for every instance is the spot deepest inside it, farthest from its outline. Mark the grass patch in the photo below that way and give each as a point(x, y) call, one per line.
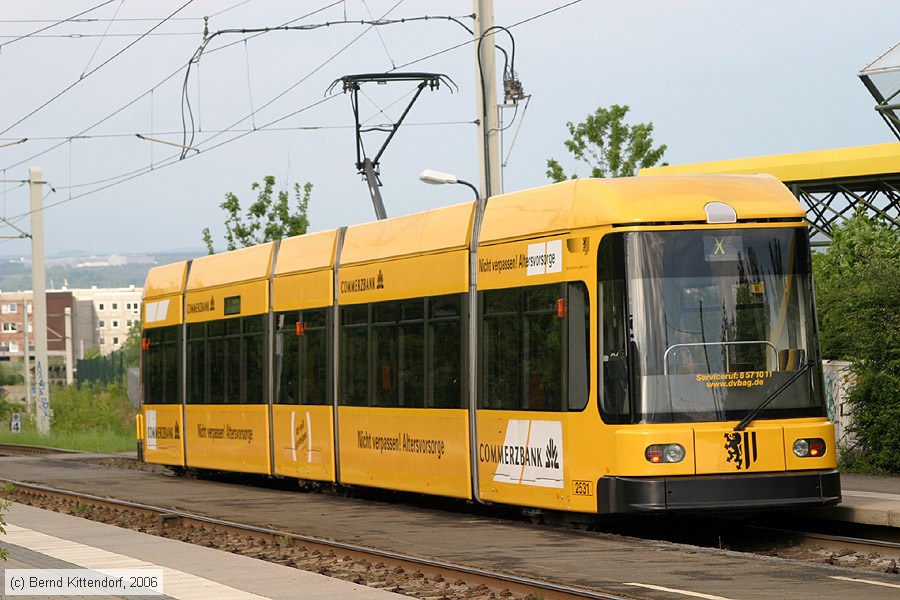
point(91, 418)
point(85, 441)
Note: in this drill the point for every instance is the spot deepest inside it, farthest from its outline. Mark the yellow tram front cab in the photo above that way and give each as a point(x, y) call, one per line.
point(649, 345)
point(711, 390)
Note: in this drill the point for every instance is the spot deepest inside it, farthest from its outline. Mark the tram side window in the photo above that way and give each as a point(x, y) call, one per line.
point(403, 353)
point(253, 360)
point(172, 366)
point(354, 355)
point(233, 361)
point(542, 362)
point(196, 363)
point(287, 358)
point(226, 363)
point(578, 346)
point(614, 403)
point(399, 357)
point(411, 338)
point(301, 357)
point(153, 366)
point(315, 357)
point(161, 365)
point(534, 348)
point(501, 349)
point(445, 352)
point(215, 365)
point(386, 344)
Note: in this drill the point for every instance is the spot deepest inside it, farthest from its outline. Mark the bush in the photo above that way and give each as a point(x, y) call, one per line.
point(7, 409)
point(875, 406)
point(11, 373)
point(852, 459)
point(92, 407)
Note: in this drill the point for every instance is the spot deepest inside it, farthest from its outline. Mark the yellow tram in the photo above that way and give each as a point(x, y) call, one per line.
point(595, 346)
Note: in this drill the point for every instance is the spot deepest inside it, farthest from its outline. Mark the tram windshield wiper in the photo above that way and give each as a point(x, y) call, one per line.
point(759, 407)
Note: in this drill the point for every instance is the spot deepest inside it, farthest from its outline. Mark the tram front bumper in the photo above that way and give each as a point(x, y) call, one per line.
point(718, 492)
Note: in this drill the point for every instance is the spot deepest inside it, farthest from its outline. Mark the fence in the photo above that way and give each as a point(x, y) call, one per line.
point(102, 369)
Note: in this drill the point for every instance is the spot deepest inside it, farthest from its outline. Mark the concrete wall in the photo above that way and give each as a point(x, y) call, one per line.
point(838, 382)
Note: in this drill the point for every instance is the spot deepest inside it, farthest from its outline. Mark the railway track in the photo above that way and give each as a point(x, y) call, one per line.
point(22, 450)
point(413, 575)
point(826, 537)
point(402, 573)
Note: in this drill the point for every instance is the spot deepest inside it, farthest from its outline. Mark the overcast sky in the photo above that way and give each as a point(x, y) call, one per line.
point(717, 79)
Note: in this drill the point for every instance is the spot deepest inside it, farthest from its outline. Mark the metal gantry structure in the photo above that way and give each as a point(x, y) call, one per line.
point(832, 185)
point(829, 201)
point(882, 78)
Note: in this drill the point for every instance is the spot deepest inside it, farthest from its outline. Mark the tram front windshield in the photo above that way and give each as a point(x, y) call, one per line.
point(719, 320)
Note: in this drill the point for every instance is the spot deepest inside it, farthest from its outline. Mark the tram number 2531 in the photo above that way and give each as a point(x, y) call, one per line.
point(583, 488)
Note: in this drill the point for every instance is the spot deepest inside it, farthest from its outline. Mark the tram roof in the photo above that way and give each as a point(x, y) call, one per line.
point(839, 163)
point(245, 264)
point(582, 203)
point(165, 279)
point(444, 228)
point(306, 252)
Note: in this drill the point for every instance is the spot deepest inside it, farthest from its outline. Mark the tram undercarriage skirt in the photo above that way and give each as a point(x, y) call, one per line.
point(718, 492)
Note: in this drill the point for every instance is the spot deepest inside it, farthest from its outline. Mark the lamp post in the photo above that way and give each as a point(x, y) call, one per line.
point(433, 177)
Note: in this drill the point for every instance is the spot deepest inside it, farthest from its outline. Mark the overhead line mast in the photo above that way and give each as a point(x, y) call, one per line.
point(486, 99)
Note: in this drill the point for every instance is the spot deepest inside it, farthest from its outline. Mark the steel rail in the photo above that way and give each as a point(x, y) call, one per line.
point(26, 450)
point(472, 575)
point(862, 543)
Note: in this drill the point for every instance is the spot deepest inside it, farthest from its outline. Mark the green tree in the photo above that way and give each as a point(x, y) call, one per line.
point(859, 320)
point(270, 217)
point(132, 346)
point(856, 291)
point(608, 145)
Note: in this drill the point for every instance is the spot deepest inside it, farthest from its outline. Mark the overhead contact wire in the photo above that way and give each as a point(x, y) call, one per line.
point(100, 66)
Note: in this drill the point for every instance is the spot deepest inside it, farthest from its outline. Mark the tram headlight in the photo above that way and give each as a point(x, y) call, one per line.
point(809, 448)
point(673, 453)
point(664, 453)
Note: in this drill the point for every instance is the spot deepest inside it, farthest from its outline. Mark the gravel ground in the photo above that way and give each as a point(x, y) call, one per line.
point(283, 551)
point(362, 572)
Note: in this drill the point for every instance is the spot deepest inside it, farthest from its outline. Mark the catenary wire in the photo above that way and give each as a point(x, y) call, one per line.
point(103, 136)
point(186, 97)
point(190, 142)
point(167, 78)
point(130, 103)
point(53, 24)
point(173, 159)
point(105, 33)
point(97, 68)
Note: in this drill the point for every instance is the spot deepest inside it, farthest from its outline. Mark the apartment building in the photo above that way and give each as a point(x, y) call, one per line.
point(97, 318)
point(115, 311)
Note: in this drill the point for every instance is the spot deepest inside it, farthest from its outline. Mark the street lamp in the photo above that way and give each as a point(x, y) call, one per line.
point(438, 178)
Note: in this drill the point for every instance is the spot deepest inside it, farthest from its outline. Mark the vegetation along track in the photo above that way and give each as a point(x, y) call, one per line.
point(407, 575)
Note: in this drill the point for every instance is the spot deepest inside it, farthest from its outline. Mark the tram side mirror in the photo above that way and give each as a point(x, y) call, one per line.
point(791, 359)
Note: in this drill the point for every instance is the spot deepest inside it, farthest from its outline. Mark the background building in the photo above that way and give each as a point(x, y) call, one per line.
point(89, 318)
